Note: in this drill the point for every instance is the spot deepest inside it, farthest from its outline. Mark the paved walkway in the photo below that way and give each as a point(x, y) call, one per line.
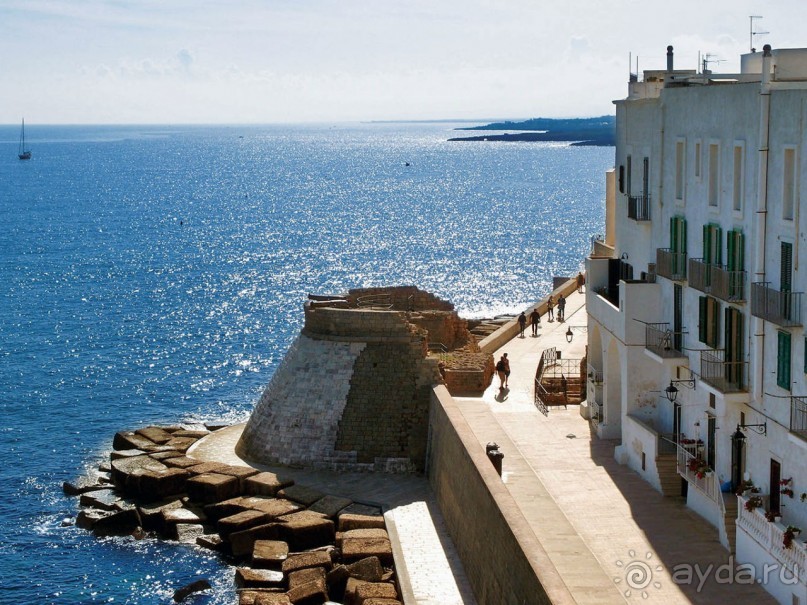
point(613, 538)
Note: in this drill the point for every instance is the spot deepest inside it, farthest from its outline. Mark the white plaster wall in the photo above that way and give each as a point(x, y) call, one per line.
point(751, 552)
point(706, 508)
point(636, 439)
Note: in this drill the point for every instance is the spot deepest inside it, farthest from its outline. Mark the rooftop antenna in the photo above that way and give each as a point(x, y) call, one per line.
point(752, 33)
point(709, 58)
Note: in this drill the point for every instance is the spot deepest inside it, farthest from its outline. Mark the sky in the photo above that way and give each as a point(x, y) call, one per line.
point(290, 61)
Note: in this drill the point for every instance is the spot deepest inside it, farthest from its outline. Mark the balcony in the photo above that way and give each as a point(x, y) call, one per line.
point(728, 285)
point(671, 264)
point(798, 416)
point(725, 376)
point(599, 249)
point(699, 276)
point(639, 207)
point(780, 307)
point(594, 375)
point(770, 535)
point(662, 341)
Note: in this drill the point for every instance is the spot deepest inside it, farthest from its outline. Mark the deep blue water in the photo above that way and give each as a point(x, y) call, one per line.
point(157, 275)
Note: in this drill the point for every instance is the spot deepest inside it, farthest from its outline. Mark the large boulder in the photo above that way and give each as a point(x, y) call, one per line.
point(265, 484)
point(330, 506)
point(269, 554)
point(240, 522)
point(348, 521)
point(246, 577)
point(212, 487)
point(306, 560)
point(306, 530)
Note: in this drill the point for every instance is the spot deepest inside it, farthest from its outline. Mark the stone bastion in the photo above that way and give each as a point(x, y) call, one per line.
point(353, 391)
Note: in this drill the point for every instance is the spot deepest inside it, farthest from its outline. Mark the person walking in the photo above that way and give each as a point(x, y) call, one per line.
point(506, 370)
point(550, 308)
point(565, 386)
point(522, 323)
point(535, 320)
point(501, 368)
point(561, 308)
point(580, 282)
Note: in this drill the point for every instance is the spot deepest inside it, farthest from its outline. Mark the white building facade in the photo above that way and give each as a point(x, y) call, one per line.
point(695, 300)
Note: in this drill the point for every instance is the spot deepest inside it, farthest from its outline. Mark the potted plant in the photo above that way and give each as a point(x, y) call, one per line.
point(772, 515)
point(753, 502)
point(785, 487)
point(790, 532)
point(698, 466)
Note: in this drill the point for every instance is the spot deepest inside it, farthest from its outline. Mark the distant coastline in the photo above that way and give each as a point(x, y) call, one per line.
point(599, 131)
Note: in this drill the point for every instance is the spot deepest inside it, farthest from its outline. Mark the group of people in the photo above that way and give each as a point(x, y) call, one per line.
point(535, 316)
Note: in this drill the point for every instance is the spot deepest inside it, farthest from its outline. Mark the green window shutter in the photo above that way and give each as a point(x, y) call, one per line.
point(786, 268)
point(702, 319)
point(805, 355)
point(783, 361)
point(718, 246)
point(739, 251)
point(731, 250)
point(683, 235)
point(714, 322)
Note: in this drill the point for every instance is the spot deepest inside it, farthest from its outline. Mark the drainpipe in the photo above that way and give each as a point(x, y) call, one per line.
point(762, 213)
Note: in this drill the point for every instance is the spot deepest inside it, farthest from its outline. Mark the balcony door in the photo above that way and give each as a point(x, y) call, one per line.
point(711, 429)
point(735, 350)
point(776, 476)
point(678, 317)
point(678, 244)
point(786, 279)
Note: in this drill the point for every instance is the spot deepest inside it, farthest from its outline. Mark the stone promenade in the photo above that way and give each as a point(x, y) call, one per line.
point(611, 536)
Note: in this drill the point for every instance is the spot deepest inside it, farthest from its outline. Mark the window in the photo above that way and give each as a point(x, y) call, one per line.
point(680, 163)
point(628, 175)
point(646, 177)
point(714, 180)
point(737, 191)
point(698, 160)
point(783, 360)
point(712, 245)
point(735, 250)
point(786, 267)
point(621, 179)
point(708, 321)
point(805, 355)
point(789, 184)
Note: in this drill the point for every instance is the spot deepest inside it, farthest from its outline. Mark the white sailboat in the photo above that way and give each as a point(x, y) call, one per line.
point(24, 154)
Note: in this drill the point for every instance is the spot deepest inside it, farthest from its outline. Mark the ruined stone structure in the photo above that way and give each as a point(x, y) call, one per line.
point(353, 391)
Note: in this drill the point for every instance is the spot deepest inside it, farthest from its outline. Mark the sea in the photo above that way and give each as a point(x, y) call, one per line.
point(157, 275)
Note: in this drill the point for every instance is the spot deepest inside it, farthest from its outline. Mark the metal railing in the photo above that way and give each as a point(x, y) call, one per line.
point(639, 207)
point(375, 301)
point(726, 376)
point(780, 307)
point(728, 285)
point(661, 340)
point(798, 416)
point(671, 264)
point(708, 483)
point(599, 248)
point(699, 275)
point(594, 375)
point(596, 412)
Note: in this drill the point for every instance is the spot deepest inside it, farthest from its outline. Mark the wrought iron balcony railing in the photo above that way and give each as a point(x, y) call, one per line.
point(726, 376)
point(728, 285)
point(798, 416)
point(780, 307)
point(699, 276)
point(671, 264)
point(662, 341)
point(639, 207)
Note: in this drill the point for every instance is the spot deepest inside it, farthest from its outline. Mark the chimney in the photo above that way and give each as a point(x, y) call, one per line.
point(669, 58)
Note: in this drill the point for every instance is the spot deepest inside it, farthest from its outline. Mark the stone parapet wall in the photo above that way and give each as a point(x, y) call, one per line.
point(357, 325)
point(446, 328)
point(503, 559)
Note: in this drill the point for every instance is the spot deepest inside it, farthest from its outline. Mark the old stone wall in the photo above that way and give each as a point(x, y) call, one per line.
point(403, 298)
point(444, 327)
point(502, 558)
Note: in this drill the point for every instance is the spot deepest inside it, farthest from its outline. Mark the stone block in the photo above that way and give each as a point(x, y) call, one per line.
point(86, 518)
point(360, 533)
point(266, 596)
point(302, 494)
point(336, 579)
point(154, 434)
point(212, 488)
point(189, 533)
point(189, 433)
point(181, 461)
point(381, 601)
point(265, 484)
point(305, 530)
point(121, 523)
point(311, 593)
point(129, 440)
point(246, 577)
point(330, 505)
point(241, 522)
point(165, 455)
point(106, 499)
point(82, 486)
point(304, 576)
point(305, 560)
point(202, 468)
point(239, 472)
point(175, 515)
point(274, 507)
point(219, 510)
point(151, 515)
point(368, 569)
point(373, 590)
point(211, 542)
point(348, 521)
point(242, 543)
point(354, 549)
point(189, 589)
point(269, 554)
point(126, 471)
point(181, 444)
point(155, 485)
